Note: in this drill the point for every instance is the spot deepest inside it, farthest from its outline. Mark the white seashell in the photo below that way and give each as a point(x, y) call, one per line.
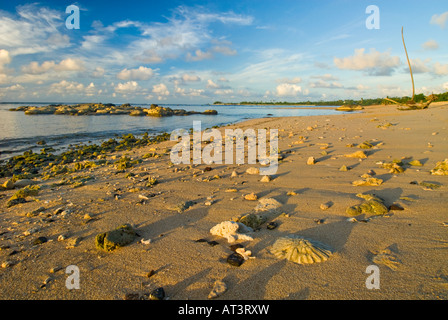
point(301, 250)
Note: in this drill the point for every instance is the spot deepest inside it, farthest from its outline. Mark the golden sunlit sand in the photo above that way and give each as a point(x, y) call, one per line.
point(408, 246)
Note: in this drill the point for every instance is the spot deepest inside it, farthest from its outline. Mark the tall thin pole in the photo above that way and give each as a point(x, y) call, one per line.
point(409, 64)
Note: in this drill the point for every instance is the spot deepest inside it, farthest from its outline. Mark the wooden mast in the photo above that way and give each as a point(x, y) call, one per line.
point(409, 64)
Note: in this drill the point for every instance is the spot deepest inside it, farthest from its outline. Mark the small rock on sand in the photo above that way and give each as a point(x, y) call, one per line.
point(253, 170)
point(251, 197)
point(358, 154)
point(219, 287)
point(325, 206)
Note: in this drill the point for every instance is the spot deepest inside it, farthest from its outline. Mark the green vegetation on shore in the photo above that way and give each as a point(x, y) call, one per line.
point(362, 102)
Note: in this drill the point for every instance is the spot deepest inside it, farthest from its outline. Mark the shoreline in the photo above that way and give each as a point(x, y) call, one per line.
point(57, 141)
point(143, 189)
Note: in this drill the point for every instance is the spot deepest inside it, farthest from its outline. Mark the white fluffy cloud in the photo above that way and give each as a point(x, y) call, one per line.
point(211, 84)
point(440, 19)
point(441, 69)
point(288, 90)
point(98, 72)
point(190, 92)
point(35, 68)
point(425, 66)
point(32, 30)
point(199, 55)
point(142, 73)
point(190, 77)
point(15, 90)
point(185, 34)
point(209, 54)
point(392, 91)
point(160, 89)
point(373, 62)
point(66, 87)
point(223, 92)
point(430, 45)
point(226, 18)
point(3, 78)
point(294, 80)
point(325, 77)
point(324, 84)
point(420, 66)
point(46, 66)
point(70, 65)
point(5, 58)
point(15, 87)
point(127, 87)
point(225, 50)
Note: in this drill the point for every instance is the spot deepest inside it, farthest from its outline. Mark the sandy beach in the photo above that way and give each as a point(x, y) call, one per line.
point(408, 246)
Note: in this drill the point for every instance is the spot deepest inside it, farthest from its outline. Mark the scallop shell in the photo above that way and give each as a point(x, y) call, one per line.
point(301, 250)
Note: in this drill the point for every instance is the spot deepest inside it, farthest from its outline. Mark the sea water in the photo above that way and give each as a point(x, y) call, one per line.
point(20, 132)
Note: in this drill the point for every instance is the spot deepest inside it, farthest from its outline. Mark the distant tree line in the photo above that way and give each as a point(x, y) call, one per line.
point(362, 102)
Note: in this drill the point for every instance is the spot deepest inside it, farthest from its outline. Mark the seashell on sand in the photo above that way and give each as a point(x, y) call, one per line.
point(300, 250)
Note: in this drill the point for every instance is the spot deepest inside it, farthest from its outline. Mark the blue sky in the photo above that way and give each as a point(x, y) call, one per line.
point(231, 51)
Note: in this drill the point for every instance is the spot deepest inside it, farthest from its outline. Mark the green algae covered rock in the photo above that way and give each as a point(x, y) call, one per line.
point(28, 191)
point(252, 220)
point(366, 145)
point(111, 240)
point(441, 168)
point(20, 195)
point(373, 205)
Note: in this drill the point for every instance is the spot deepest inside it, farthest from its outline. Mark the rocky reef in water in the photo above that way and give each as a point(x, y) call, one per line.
point(108, 109)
